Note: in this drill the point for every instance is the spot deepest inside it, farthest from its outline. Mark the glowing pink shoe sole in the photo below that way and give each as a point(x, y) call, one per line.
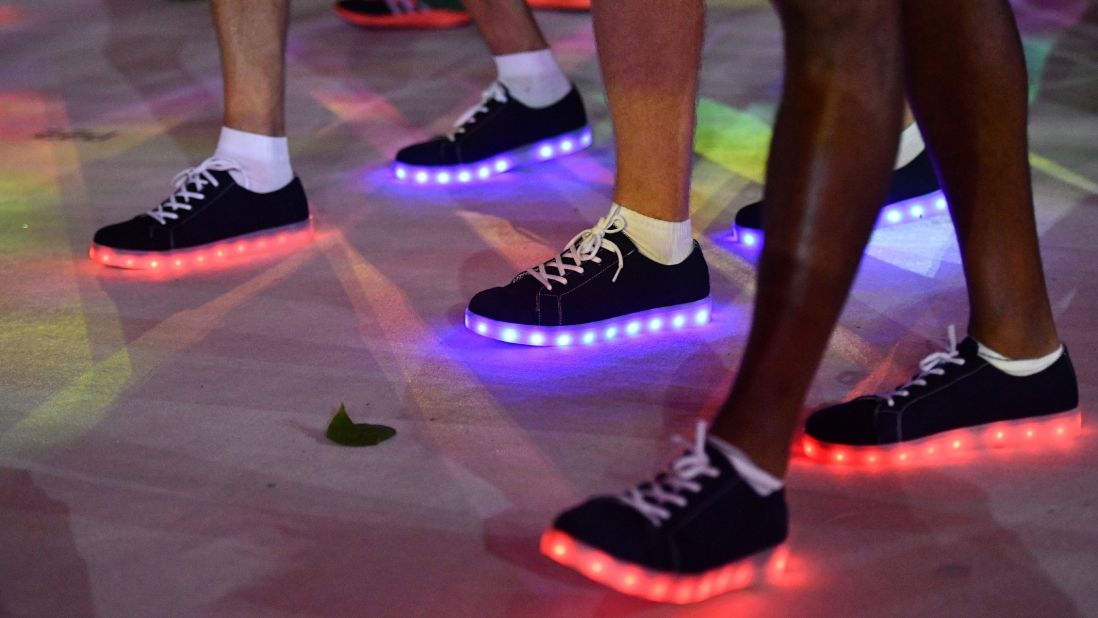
point(212, 255)
point(662, 587)
point(1054, 429)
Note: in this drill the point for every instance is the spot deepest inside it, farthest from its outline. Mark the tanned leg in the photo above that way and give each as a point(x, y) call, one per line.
point(507, 26)
point(828, 173)
point(650, 62)
point(977, 134)
point(252, 38)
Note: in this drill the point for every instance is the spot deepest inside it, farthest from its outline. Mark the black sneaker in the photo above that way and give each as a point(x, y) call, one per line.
point(496, 135)
point(695, 531)
point(914, 194)
point(209, 219)
point(957, 402)
point(600, 288)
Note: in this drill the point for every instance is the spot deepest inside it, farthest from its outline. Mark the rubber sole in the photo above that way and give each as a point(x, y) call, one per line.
point(662, 587)
point(433, 19)
point(905, 211)
point(659, 320)
point(211, 255)
point(1053, 429)
point(479, 171)
point(560, 5)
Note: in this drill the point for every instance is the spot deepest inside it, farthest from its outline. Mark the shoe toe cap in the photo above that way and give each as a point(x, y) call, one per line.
point(605, 523)
point(132, 235)
point(750, 216)
point(505, 304)
point(853, 423)
point(433, 152)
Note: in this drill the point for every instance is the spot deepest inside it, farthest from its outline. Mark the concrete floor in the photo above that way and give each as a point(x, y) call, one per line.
point(161, 441)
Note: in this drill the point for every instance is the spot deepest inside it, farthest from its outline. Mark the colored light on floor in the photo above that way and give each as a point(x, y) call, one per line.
point(634, 580)
point(1036, 431)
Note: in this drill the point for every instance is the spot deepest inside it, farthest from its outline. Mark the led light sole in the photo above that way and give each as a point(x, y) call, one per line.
point(274, 240)
point(662, 319)
point(1034, 431)
point(662, 587)
point(479, 171)
point(906, 211)
point(433, 19)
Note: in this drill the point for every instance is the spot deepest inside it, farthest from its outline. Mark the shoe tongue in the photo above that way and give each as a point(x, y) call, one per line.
point(719, 459)
point(968, 348)
point(622, 240)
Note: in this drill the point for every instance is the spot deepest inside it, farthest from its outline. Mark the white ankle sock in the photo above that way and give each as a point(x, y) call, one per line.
point(911, 146)
point(666, 242)
point(760, 480)
point(265, 159)
point(534, 78)
point(1018, 368)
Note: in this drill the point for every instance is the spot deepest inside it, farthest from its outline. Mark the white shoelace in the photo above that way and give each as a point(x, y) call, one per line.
point(667, 488)
point(495, 92)
point(933, 365)
point(583, 247)
point(188, 186)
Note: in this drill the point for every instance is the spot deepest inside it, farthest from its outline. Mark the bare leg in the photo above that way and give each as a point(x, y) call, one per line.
point(507, 26)
point(252, 38)
point(978, 139)
point(830, 163)
point(650, 64)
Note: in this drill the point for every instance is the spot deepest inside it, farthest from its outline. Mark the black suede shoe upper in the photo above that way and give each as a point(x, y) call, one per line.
point(500, 126)
point(724, 522)
point(226, 210)
point(911, 180)
point(593, 295)
point(975, 393)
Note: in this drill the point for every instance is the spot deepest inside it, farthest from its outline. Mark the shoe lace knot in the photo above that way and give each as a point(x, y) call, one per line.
point(584, 247)
point(189, 185)
point(495, 92)
point(668, 488)
point(933, 364)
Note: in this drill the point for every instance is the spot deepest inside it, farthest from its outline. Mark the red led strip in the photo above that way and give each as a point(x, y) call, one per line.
point(206, 256)
point(635, 580)
point(1054, 429)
